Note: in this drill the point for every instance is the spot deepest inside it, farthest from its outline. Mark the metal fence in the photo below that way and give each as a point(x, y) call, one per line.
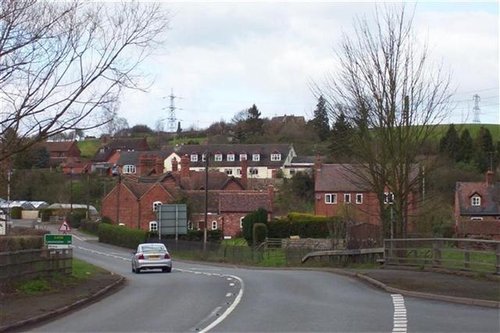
point(450, 253)
point(269, 253)
point(34, 263)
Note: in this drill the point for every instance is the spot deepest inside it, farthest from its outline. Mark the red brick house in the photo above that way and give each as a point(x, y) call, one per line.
point(338, 192)
point(477, 208)
point(341, 191)
point(133, 200)
point(106, 158)
point(62, 152)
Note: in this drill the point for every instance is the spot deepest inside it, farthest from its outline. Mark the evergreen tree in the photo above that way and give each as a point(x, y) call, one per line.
point(320, 121)
point(253, 122)
point(484, 148)
point(340, 138)
point(466, 147)
point(449, 144)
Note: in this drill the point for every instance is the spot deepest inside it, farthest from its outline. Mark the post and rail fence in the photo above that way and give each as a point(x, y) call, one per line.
point(474, 255)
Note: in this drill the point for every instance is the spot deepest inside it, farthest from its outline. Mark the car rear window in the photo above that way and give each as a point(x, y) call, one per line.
point(153, 248)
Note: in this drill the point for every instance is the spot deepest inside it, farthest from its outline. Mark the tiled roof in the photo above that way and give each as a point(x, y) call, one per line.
point(243, 202)
point(490, 198)
point(340, 177)
point(129, 144)
point(57, 146)
point(265, 151)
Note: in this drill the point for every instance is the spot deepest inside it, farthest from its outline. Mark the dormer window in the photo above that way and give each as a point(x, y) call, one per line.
point(218, 157)
point(276, 156)
point(243, 157)
point(194, 157)
point(129, 169)
point(256, 157)
point(475, 201)
point(230, 157)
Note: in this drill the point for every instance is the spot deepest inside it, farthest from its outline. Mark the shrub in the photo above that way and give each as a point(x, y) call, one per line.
point(45, 214)
point(305, 226)
point(258, 216)
point(106, 220)
point(17, 243)
point(89, 226)
point(121, 235)
point(16, 212)
point(259, 233)
point(75, 218)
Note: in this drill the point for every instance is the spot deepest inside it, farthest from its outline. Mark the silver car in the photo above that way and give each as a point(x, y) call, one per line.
point(151, 256)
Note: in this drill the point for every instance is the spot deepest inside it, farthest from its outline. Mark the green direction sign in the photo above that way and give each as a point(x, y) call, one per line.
point(51, 239)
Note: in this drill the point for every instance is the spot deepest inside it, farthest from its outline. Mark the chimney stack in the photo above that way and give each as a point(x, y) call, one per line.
point(490, 178)
point(175, 165)
point(244, 173)
point(185, 166)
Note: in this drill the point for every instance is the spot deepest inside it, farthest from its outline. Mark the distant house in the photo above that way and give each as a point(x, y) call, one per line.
point(134, 200)
point(477, 208)
point(263, 161)
point(62, 152)
point(106, 158)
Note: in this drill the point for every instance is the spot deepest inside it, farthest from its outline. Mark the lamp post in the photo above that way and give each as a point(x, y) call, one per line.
point(71, 190)
point(9, 174)
point(206, 200)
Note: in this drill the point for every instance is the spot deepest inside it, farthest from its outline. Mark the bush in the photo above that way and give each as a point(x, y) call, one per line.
point(16, 212)
point(259, 216)
point(74, 219)
point(45, 214)
point(305, 226)
point(106, 220)
point(259, 233)
point(17, 243)
point(121, 235)
point(89, 226)
point(197, 235)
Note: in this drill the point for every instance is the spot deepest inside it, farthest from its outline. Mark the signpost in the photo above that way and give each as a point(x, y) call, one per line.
point(172, 219)
point(53, 241)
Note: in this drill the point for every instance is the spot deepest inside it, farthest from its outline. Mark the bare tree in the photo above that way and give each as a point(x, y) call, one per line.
point(394, 97)
point(64, 64)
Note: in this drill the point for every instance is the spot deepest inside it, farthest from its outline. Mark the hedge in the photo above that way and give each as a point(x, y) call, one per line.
point(121, 235)
point(17, 243)
point(304, 226)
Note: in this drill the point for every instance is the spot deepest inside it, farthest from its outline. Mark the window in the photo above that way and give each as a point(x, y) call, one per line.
point(347, 198)
point(218, 157)
point(230, 157)
point(214, 225)
point(388, 198)
point(203, 157)
point(254, 171)
point(359, 198)
point(228, 171)
point(194, 157)
point(129, 168)
point(190, 225)
point(238, 172)
point(153, 226)
point(476, 200)
point(255, 157)
point(476, 218)
point(275, 157)
point(331, 198)
point(156, 206)
point(243, 157)
point(241, 222)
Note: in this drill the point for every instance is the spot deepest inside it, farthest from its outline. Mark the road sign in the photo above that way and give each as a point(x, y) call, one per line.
point(64, 228)
point(173, 219)
point(53, 241)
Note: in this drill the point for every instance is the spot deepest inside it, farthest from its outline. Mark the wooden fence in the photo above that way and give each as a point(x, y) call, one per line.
point(450, 253)
point(26, 264)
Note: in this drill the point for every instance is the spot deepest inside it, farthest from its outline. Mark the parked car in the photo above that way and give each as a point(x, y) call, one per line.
point(151, 256)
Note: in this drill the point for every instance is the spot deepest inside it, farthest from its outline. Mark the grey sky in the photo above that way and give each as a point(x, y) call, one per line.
point(222, 57)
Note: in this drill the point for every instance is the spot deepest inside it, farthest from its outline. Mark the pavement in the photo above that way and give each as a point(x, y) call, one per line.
point(458, 287)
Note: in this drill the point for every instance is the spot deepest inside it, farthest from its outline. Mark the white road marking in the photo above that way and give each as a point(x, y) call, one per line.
point(220, 318)
point(400, 322)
